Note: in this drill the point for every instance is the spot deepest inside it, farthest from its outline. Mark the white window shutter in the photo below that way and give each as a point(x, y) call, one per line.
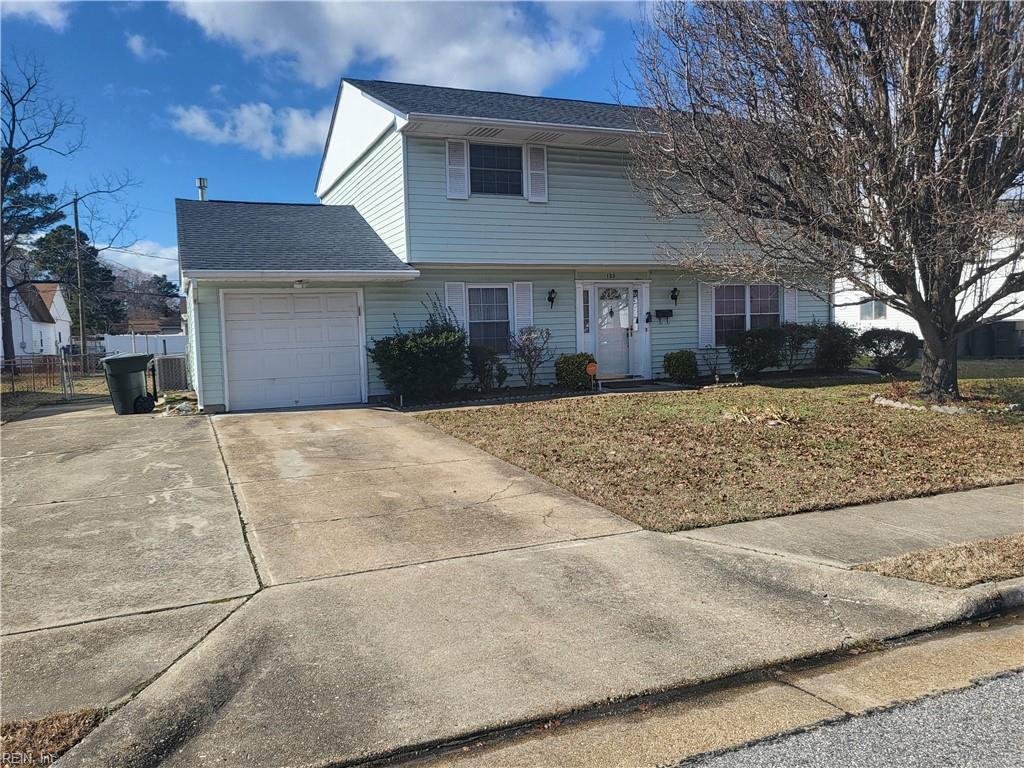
point(705, 315)
point(537, 173)
point(455, 300)
point(457, 162)
point(790, 310)
point(523, 305)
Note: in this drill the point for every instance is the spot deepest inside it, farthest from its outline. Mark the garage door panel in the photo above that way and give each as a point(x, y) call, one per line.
point(342, 303)
point(240, 305)
point(309, 305)
point(286, 350)
point(343, 333)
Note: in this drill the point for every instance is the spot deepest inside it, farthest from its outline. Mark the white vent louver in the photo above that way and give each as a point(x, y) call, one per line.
point(601, 141)
point(543, 137)
point(483, 132)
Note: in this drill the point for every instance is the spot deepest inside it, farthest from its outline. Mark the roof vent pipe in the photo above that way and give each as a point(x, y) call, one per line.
point(201, 186)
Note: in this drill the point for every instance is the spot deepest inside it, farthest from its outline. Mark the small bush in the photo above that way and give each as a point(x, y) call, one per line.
point(680, 366)
point(424, 364)
point(571, 370)
point(529, 350)
point(890, 350)
point(753, 351)
point(835, 347)
point(711, 358)
point(486, 368)
point(796, 345)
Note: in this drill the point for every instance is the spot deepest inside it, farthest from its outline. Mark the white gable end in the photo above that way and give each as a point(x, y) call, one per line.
point(358, 122)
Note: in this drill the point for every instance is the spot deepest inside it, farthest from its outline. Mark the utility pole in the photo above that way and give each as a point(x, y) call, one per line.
point(81, 303)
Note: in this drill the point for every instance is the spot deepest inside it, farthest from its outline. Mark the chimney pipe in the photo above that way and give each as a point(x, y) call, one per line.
point(201, 186)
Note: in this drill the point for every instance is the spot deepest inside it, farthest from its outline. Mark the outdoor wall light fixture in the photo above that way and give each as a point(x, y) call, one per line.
point(674, 295)
point(552, 295)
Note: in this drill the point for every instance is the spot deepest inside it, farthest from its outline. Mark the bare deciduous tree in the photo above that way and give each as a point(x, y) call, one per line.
point(881, 144)
point(33, 120)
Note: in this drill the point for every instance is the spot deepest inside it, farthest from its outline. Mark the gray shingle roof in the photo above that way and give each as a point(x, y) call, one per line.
point(220, 234)
point(456, 102)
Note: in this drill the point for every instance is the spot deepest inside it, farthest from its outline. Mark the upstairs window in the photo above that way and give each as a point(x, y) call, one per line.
point(495, 170)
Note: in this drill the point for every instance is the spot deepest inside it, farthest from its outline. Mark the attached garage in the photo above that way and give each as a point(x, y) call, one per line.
point(286, 349)
point(275, 301)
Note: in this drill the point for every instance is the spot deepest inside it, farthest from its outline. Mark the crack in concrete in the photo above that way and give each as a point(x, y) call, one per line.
point(351, 471)
point(238, 509)
point(837, 618)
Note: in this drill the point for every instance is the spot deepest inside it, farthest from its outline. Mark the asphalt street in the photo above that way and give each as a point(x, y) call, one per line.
point(979, 726)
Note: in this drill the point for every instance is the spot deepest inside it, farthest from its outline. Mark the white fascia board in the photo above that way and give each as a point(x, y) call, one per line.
point(340, 276)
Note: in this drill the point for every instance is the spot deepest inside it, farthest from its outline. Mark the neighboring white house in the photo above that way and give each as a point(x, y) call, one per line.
point(514, 210)
point(40, 320)
point(1003, 338)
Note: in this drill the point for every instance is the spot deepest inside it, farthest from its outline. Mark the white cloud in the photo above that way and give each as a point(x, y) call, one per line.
point(257, 126)
point(49, 12)
point(143, 49)
point(147, 256)
point(495, 45)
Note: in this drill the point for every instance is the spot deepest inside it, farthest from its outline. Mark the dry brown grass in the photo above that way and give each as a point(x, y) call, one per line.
point(957, 566)
point(41, 742)
point(677, 460)
point(14, 405)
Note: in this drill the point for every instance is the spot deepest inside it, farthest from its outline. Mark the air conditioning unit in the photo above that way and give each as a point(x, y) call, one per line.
point(171, 373)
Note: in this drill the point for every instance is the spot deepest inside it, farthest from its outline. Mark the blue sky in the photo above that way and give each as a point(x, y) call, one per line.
point(241, 92)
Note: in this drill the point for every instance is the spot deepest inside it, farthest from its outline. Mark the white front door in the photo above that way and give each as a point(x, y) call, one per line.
point(292, 348)
point(614, 325)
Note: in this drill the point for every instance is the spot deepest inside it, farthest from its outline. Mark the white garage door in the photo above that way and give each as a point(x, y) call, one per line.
point(289, 349)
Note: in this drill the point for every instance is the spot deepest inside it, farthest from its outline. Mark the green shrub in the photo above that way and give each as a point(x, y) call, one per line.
point(835, 347)
point(571, 370)
point(753, 351)
point(890, 350)
point(680, 366)
point(796, 345)
point(486, 368)
point(425, 364)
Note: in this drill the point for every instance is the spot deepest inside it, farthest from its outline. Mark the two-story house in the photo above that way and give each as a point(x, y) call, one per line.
point(514, 210)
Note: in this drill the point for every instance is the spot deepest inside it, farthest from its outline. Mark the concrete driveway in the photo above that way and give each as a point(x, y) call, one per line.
point(331, 492)
point(121, 548)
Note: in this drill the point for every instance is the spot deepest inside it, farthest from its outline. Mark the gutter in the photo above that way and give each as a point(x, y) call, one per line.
point(338, 275)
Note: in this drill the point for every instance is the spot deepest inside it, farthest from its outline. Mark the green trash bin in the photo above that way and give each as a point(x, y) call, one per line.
point(126, 380)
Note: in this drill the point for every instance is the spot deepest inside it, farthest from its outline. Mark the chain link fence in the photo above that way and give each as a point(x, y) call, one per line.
point(31, 380)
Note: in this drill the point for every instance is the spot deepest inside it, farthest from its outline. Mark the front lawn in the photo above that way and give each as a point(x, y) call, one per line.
point(677, 460)
point(957, 566)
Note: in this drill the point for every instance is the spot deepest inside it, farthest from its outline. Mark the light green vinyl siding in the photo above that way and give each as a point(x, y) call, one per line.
point(384, 302)
point(593, 215)
point(375, 185)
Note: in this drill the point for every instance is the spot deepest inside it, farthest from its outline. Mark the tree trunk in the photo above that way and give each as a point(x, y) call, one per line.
point(939, 379)
point(7, 322)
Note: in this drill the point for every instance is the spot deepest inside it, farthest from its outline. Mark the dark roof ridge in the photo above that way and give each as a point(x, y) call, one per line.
point(356, 80)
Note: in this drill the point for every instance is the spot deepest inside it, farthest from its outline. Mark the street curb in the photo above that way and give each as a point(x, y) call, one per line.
point(993, 597)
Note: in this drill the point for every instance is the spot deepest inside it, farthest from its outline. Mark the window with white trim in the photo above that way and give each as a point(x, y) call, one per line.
point(495, 169)
point(872, 310)
point(740, 308)
point(490, 318)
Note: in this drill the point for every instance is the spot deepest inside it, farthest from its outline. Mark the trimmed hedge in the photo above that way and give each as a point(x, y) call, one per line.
point(753, 351)
point(890, 350)
point(681, 366)
point(571, 370)
point(835, 347)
